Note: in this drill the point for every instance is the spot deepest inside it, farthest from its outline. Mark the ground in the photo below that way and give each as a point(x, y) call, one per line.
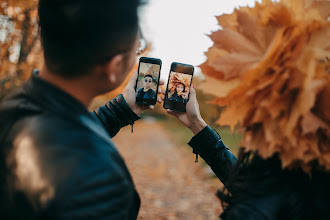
point(170, 184)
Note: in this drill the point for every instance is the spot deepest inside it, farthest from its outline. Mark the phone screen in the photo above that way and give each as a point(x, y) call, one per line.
point(178, 86)
point(148, 80)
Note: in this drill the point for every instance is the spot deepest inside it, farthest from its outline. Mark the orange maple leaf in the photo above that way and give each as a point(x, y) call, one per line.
point(270, 66)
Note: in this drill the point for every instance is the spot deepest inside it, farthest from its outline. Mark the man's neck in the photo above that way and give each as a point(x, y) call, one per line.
point(76, 87)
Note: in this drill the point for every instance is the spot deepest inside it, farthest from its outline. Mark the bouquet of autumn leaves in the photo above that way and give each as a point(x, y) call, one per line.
point(270, 67)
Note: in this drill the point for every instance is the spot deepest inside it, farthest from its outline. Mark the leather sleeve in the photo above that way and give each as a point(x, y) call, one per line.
point(210, 147)
point(115, 114)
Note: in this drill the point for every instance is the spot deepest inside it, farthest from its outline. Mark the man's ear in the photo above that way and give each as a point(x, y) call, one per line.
point(114, 67)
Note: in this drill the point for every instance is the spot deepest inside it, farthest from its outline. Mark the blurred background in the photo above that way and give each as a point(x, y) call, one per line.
point(175, 30)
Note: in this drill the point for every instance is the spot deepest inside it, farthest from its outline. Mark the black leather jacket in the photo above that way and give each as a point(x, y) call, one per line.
point(58, 160)
point(208, 144)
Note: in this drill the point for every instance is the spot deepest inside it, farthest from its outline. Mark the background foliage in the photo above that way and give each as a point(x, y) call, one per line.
point(20, 49)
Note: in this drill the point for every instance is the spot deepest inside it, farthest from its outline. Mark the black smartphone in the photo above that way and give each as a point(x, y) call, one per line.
point(178, 86)
point(148, 80)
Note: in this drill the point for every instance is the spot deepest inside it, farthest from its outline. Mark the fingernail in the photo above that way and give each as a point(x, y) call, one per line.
point(193, 86)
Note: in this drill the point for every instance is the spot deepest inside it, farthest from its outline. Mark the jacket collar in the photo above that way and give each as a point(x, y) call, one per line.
point(59, 102)
point(51, 97)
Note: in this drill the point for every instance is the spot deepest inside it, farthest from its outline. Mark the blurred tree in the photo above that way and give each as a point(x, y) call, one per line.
point(20, 49)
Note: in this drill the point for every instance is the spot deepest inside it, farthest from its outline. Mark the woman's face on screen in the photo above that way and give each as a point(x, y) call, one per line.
point(179, 88)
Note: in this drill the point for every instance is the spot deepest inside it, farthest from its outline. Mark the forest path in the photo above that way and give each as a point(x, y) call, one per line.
point(170, 184)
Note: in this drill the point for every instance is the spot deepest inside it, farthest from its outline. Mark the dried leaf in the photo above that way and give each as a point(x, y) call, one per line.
point(311, 123)
point(270, 67)
point(220, 88)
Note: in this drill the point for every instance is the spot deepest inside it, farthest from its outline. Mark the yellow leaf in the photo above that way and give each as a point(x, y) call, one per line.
point(219, 88)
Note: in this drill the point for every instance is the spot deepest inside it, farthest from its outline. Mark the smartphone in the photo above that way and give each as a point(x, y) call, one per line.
point(178, 86)
point(148, 80)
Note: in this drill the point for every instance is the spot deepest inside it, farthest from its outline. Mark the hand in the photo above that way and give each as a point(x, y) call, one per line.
point(130, 96)
point(192, 118)
point(184, 95)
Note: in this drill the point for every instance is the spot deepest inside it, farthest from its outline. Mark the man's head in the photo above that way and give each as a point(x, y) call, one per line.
point(78, 35)
point(147, 81)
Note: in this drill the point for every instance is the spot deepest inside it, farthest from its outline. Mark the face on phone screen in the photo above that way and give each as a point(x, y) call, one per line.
point(177, 91)
point(147, 83)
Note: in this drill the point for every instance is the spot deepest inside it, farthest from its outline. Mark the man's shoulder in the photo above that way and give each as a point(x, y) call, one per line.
point(21, 118)
point(51, 130)
point(65, 150)
point(140, 90)
point(18, 102)
point(71, 162)
point(151, 91)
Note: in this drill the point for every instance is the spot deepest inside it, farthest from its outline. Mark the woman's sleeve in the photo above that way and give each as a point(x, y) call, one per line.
point(208, 144)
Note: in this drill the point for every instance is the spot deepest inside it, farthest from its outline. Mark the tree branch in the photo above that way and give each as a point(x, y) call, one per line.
point(25, 35)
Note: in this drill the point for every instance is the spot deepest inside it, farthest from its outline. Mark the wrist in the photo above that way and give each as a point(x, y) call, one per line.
point(197, 126)
point(126, 108)
point(137, 110)
point(131, 103)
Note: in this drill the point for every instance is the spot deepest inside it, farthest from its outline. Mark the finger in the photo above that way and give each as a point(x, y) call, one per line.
point(133, 79)
point(151, 107)
point(176, 114)
point(159, 90)
point(192, 96)
point(159, 99)
point(170, 112)
point(161, 82)
point(163, 89)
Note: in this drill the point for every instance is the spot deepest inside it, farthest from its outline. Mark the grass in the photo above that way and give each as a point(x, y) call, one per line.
point(182, 135)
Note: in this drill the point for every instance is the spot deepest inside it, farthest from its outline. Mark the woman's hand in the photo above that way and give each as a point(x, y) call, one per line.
point(130, 96)
point(192, 118)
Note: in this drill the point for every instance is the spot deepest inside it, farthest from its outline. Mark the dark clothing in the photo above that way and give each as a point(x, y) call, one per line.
point(177, 98)
point(272, 194)
point(210, 147)
point(150, 94)
point(58, 160)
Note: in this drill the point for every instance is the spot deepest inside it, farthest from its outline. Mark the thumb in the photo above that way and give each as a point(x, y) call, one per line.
point(132, 81)
point(192, 92)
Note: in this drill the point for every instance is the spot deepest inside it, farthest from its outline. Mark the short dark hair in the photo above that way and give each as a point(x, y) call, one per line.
point(78, 34)
point(148, 75)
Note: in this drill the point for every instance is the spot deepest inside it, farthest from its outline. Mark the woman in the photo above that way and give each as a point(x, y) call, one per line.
point(257, 188)
point(179, 94)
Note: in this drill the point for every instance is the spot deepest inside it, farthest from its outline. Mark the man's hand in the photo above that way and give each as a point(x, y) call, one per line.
point(192, 118)
point(130, 96)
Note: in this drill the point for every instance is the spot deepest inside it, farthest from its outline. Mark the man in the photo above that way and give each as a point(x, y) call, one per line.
point(57, 159)
point(146, 92)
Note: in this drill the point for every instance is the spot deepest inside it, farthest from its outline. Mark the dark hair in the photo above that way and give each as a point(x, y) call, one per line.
point(184, 87)
point(280, 193)
point(148, 75)
point(78, 34)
